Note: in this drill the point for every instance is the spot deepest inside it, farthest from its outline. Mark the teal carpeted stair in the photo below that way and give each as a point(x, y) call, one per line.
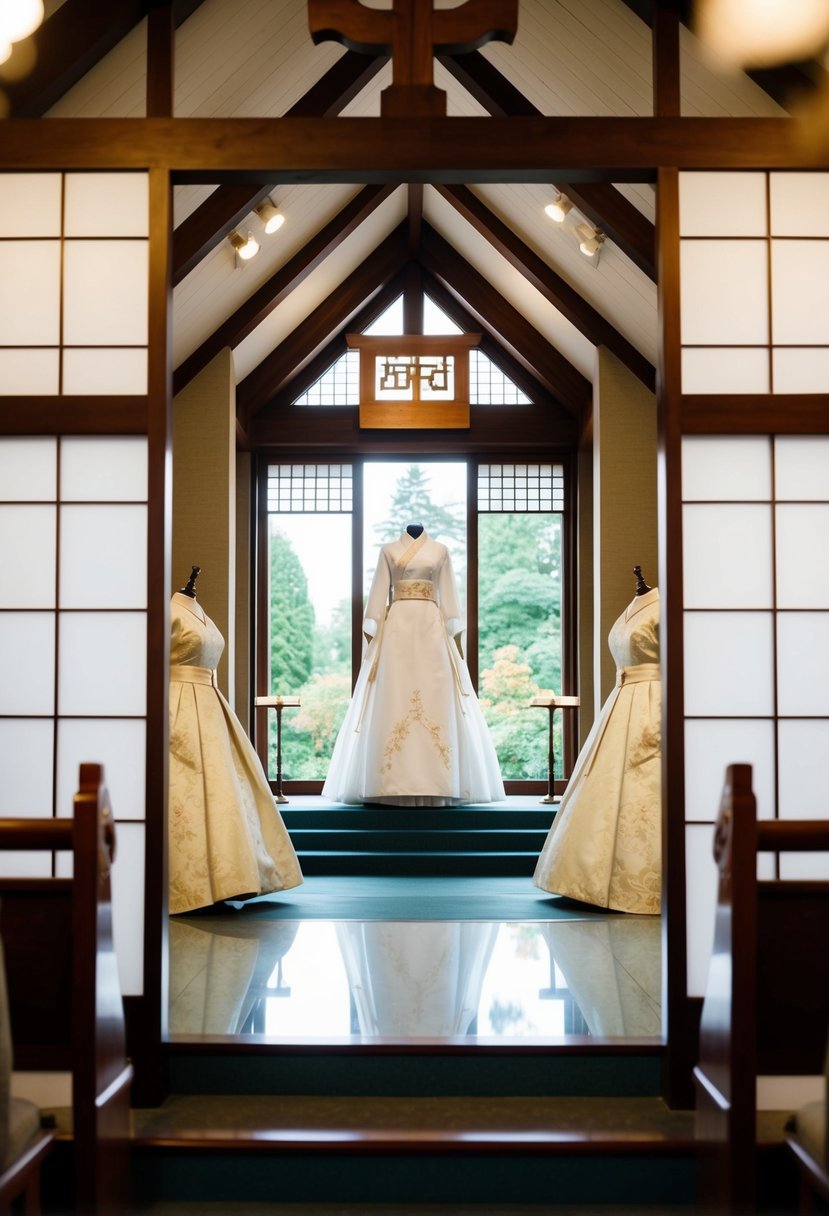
point(502, 839)
point(447, 1126)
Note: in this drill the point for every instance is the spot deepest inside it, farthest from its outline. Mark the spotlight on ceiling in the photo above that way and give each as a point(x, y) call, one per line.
point(270, 215)
point(246, 246)
point(590, 240)
point(558, 208)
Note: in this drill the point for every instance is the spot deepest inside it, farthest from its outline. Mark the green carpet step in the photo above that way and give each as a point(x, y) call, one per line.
point(628, 1069)
point(217, 1147)
point(408, 841)
point(209, 1208)
point(365, 818)
point(418, 862)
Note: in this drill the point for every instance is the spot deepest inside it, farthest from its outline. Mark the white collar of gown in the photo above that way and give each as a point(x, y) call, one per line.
point(640, 602)
point(412, 544)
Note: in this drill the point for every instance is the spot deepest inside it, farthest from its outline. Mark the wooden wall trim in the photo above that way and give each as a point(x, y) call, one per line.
point(760, 414)
point(681, 1044)
point(97, 415)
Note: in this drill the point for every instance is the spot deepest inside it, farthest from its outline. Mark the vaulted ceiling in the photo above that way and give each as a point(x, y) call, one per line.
point(487, 253)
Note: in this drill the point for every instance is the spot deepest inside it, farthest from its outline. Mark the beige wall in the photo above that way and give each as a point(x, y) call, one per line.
point(584, 583)
point(624, 500)
point(204, 498)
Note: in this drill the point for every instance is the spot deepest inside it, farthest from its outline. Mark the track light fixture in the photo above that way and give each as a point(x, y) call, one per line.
point(270, 215)
point(590, 240)
point(246, 247)
point(558, 208)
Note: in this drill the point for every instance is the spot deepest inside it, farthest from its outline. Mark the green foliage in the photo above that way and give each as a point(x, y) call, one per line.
point(309, 733)
point(291, 618)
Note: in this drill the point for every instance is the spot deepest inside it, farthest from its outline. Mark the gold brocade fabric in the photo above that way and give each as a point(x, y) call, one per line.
point(226, 837)
point(414, 589)
point(605, 844)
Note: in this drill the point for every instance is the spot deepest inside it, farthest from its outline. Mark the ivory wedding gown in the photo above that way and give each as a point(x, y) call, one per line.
point(414, 733)
point(226, 837)
point(605, 843)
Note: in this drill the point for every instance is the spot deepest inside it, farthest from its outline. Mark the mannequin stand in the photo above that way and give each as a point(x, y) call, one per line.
point(278, 703)
point(552, 704)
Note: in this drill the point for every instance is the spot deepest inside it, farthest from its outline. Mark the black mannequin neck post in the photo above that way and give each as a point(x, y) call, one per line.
point(190, 588)
point(414, 530)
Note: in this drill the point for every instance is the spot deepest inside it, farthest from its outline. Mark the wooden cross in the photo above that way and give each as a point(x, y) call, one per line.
point(413, 32)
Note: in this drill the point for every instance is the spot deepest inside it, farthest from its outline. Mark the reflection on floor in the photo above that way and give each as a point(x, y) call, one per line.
point(483, 980)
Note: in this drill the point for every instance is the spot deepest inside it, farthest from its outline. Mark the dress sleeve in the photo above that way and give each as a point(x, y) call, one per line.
point(448, 596)
point(378, 597)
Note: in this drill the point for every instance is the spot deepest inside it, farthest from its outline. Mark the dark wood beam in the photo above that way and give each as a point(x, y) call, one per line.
point(96, 415)
point(527, 428)
point(413, 299)
point(265, 381)
point(160, 60)
point(403, 149)
point(537, 272)
point(228, 205)
point(754, 414)
point(279, 286)
point(601, 203)
point(666, 70)
point(70, 42)
point(415, 200)
point(505, 323)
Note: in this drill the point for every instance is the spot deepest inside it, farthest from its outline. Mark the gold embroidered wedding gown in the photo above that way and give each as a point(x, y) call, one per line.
point(605, 843)
point(414, 734)
point(226, 836)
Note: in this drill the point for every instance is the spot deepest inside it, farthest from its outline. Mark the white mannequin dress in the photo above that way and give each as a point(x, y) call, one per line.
point(414, 734)
point(605, 843)
point(226, 837)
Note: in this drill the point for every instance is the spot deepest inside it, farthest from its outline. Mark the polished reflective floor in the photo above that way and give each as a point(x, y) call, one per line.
point(247, 972)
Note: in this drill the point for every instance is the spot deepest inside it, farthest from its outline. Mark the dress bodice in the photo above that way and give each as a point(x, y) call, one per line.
point(408, 560)
point(194, 639)
point(634, 637)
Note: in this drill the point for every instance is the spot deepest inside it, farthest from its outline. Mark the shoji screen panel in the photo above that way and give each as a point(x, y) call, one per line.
point(74, 273)
point(73, 284)
point(754, 265)
point(756, 638)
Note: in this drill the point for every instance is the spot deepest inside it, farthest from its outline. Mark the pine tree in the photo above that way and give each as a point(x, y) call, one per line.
point(291, 619)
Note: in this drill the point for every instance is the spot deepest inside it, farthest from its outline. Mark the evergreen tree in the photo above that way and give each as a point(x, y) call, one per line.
point(412, 503)
point(291, 618)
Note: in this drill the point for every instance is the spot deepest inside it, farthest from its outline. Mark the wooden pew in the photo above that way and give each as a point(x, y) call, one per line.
point(64, 993)
point(766, 1006)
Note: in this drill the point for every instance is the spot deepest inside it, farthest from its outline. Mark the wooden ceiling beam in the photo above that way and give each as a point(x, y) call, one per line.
point(309, 337)
point(72, 40)
point(160, 60)
point(544, 279)
point(489, 345)
point(400, 150)
point(228, 205)
point(601, 203)
point(492, 312)
point(325, 358)
point(280, 285)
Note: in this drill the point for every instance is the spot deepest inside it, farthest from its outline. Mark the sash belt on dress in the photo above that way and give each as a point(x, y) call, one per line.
point(414, 589)
point(184, 673)
point(637, 674)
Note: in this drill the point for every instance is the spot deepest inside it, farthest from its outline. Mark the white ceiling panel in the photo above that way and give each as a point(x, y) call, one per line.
point(334, 271)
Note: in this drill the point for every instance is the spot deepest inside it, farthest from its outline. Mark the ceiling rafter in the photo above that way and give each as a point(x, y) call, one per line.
point(334, 349)
point(312, 334)
point(505, 323)
point(228, 205)
point(71, 41)
point(489, 345)
point(279, 286)
point(600, 202)
point(536, 271)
